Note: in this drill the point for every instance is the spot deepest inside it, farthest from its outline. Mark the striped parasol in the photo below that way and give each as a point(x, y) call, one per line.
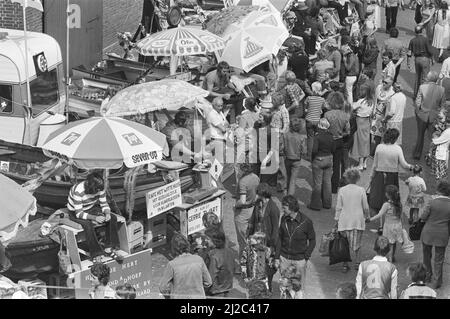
point(106, 143)
point(180, 41)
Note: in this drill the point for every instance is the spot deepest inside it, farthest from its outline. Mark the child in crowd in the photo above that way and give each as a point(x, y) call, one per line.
point(201, 242)
point(416, 196)
point(291, 284)
point(346, 290)
point(257, 289)
point(314, 106)
point(377, 278)
point(100, 279)
point(392, 210)
point(417, 289)
point(126, 291)
point(256, 259)
point(221, 265)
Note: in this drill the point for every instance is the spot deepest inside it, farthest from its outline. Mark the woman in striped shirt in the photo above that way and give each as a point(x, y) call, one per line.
point(87, 206)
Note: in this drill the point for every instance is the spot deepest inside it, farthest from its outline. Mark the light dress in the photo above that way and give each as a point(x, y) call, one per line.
point(441, 37)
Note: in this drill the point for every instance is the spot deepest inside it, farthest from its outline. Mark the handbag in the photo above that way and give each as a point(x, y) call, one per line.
point(416, 230)
point(339, 250)
point(65, 265)
point(408, 245)
point(324, 248)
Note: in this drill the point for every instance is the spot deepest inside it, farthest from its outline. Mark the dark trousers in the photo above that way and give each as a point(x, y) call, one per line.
point(311, 129)
point(338, 165)
point(373, 146)
point(421, 128)
point(439, 255)
point(112, 233)
point(422, 66)
point(391, 17)
point(418, 13)
point(293, 168)
point(322, 169)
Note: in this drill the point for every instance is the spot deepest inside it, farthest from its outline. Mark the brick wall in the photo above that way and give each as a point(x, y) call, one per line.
point(119, 16)
point(11, 17)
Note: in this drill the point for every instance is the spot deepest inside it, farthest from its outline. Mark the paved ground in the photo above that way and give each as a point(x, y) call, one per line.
point(322, 279)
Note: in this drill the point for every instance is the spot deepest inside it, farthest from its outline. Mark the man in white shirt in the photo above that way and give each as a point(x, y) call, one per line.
point(394, 115)
point(218, 126)
point(389, 70)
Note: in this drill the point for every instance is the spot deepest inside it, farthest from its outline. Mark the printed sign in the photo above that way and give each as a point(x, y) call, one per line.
point(4, 166)
point(187, 43)
point(195, 215)
point(143, 158)
point(69, 139)
point(40, 63)
point(132, 139)
point(163, 198)
point(135, 270)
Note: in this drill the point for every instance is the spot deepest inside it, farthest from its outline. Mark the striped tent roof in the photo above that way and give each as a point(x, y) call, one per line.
point(180, 41)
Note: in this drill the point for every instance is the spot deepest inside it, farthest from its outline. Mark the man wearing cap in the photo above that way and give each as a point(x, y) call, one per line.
point(334, 56)
point(420, 48)
point(395, 111)
point(430, 99)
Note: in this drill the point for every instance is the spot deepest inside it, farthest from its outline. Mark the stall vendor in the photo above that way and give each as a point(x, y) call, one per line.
point(88, 206)
point(217, 82)
point(180, 138)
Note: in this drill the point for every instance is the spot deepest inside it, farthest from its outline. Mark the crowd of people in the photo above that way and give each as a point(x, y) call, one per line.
point(317, 101)
point(322, 106)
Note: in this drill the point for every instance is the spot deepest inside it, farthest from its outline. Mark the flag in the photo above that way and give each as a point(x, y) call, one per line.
point(30, 3)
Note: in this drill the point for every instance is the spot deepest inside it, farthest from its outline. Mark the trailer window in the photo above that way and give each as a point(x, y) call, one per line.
point(5, 98)
point(44, 91)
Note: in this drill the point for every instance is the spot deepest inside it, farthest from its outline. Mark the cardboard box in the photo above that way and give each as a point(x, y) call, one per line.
point(35, 288)
point(156, 231)
point(135, 232)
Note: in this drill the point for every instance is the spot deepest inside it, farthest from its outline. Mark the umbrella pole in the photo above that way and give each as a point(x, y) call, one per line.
point(173, 64)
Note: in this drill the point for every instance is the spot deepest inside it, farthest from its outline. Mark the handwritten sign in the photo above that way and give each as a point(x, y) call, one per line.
point(136, 270)
point(164, 198)
point(216, 169)
point(195, 215)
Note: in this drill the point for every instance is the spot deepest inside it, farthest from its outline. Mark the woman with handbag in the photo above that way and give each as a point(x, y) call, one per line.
point(351, 212)
point(383, 94)
point(387, 162)
point(435, 233)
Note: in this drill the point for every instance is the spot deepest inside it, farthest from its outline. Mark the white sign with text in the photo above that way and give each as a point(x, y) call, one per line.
point(195, 214)
point(164, 198)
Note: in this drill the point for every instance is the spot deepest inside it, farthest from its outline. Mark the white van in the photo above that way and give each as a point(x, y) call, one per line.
point(19, 124)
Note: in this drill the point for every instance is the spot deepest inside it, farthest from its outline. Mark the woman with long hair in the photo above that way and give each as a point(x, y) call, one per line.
point(441, 37)
point(363, 109)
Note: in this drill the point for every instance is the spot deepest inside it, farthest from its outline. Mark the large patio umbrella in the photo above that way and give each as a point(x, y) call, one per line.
point(106, 143)
point(251, 39)
point(170, 94)
point(180, 41)
point(17, 205)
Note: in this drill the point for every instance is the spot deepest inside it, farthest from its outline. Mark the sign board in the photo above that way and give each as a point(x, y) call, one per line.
point(136, 269)
point(4, 166)
point(164, 198)
point(195, 214)
point(216, 169)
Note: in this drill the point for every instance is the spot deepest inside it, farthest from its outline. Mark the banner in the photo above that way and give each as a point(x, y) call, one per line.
point(195, 214)
point(164, 198)
point(40, 63)
point(135, 270)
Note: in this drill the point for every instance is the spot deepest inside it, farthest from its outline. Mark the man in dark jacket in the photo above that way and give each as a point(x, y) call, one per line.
point(297, 239)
